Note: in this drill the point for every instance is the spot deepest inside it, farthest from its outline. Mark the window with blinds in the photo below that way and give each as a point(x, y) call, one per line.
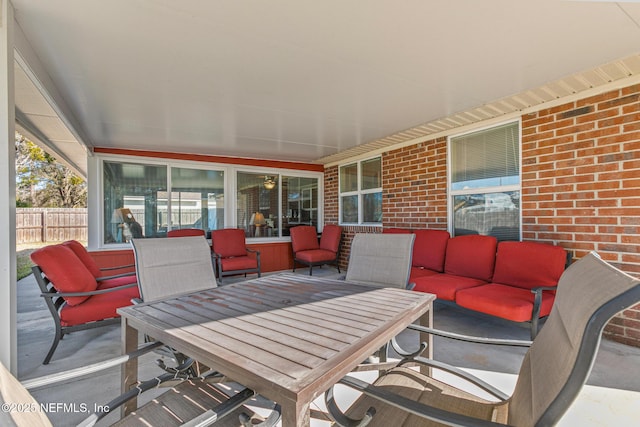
point(485, 182)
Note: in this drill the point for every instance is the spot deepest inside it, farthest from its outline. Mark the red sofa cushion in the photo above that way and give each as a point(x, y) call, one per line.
point(420, 272)
point(229, 242)
point(97, 307)
point(239, 263)
point(330, 239)
point(303, 238)
point(65, 270)
point(316, 255)
point(507, 302)
point(471, 256)
point(82, 253)
point(445, 286)
point(429, 249)
point(528, 264)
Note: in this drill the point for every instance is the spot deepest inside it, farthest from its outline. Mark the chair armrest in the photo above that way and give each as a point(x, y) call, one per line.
point(115, 276)
point(86, 294)
point(470, 338)
point(255, 251)
point(537, 300)
point(118, 267)
point(411, 406)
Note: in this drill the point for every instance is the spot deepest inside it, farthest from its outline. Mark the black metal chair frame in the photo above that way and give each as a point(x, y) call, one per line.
point(54, 301)
point(220, 273)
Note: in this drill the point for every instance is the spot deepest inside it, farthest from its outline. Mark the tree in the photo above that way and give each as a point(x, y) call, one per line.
point(43, 182)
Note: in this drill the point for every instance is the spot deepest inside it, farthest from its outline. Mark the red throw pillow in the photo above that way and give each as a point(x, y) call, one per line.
point(87, 260)
point(65, 270)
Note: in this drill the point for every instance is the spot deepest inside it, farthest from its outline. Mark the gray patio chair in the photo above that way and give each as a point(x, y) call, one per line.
point(554, 369)
point(381, 259)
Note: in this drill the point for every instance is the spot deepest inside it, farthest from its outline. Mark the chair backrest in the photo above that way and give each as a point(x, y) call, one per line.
point(65, 270)
point(330, 239)
point(471, 255)
point(558, 363)
point(82, 253)
point(229, 242)
point(186, 232)
point(304, 238)
point(529, 264)
point(14, 394)
point(171, 267)
point(381, 259)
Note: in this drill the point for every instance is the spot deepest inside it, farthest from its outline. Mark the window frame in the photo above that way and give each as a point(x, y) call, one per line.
point(359, 192)
point(96, 184)
point(487, 189)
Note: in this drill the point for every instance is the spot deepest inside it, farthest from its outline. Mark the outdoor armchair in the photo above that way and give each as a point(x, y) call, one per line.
point(307, 250)
point(232, 254)
point(75, 298)
point(554, 369)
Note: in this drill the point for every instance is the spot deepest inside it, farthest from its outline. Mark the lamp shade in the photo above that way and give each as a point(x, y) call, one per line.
point(258, 219)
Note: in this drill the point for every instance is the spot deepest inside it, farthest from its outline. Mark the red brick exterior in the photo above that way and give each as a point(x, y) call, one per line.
point(580, 186)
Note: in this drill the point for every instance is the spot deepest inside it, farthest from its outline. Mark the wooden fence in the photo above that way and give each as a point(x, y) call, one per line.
point(50, 225)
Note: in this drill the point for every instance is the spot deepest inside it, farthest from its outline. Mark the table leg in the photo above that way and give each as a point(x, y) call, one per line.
point(295, 414)
point(427, 320)
point(129, 373)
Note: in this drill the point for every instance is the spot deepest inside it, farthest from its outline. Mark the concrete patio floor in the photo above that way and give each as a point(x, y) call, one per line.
point(611, 397)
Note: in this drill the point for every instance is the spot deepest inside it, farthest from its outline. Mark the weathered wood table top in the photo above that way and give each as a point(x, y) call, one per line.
point(288, 337)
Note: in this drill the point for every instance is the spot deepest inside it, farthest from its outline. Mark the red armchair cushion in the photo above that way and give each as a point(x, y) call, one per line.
point(528, 264)
point(504, 301)
point(65, 270)
point(445, 286)
point(82, 253)
point(303, 238)
point(186, 232)
point(429, 249)
point(420, 272)
point(239, 263)
point(229, 242)
point(330, 239)
point(316, 255)
point(97, 307)
point(471, 256)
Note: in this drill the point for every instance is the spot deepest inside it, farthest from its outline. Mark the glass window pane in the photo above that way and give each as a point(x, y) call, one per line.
point(197, 199)
point(257, 204)
point(372, 208)
point(300, 199)
point(349, 178)
point(487, 158)
point(492, 214)
point(135, 201)
point(371, 174)
point(349, 209)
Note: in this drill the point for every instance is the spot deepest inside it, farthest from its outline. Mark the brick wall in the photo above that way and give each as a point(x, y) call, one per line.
point(580, 186)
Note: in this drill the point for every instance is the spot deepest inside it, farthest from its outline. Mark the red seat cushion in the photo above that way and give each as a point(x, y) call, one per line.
point(471, 256)
point(239, 263)
point(445, 286)
point(65, 270)
point(229, 242)
point(97, 307)
point(504, 301)
point(316, 255)
point(420, 272)
point(117, 281)
point(304, 238)
point(528, 264)
point(330, 239)
point(429, 249)
point(82, 253)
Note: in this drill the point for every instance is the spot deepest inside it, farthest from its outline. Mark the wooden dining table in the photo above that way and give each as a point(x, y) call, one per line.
point(288, 337)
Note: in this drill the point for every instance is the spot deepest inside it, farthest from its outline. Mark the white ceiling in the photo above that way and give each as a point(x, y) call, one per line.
point(299, 80)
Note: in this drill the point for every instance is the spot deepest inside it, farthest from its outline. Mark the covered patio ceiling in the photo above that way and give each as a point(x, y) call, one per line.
point(308, 81)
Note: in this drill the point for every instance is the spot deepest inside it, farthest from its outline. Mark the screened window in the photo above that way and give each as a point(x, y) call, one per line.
point(361, 192)
point(197, 199)
point(485, 182)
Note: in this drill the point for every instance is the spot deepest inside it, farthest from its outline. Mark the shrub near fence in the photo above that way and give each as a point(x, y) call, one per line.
point(50, 224)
